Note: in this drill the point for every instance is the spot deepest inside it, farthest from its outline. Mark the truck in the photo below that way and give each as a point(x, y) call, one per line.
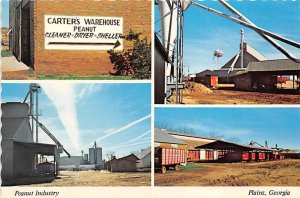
point(169, 158)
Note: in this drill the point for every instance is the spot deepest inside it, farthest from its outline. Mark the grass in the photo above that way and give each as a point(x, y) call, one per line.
point(194, 166)
point(6, 53)
point(102, 77)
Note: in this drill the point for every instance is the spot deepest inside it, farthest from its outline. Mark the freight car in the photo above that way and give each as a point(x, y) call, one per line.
point(166, 158)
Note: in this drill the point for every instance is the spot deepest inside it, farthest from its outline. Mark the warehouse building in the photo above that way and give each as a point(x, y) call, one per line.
point(71, 163)
point(291, 153)
point(19, 151)
point(223, 74)
point(91, 161)
point(62, 37)
point(123, 164)
point(144, 162)
point(262, 75)
point(234, 152)
point(162, 138)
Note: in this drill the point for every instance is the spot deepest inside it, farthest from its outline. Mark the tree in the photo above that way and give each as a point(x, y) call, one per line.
point(134, 62)
point(110, 155)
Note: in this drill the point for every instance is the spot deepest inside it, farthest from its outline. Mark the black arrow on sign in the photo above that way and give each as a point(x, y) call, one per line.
point(116, 44)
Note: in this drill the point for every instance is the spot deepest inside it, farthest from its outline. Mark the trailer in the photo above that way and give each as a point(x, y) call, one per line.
point(211, 81)
point(167, 158)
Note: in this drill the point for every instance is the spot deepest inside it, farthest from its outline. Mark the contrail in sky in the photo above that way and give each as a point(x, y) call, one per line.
point(121, 129)
point(63, 96)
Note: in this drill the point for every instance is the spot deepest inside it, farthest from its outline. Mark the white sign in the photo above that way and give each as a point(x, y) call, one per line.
point(83, 33)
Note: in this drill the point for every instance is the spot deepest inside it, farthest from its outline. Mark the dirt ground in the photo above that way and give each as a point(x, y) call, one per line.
point(273, 173)
point(102, 178)
point(227, 95)
point(4, 39)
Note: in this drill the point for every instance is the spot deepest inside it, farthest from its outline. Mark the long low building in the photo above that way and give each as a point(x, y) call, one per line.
point(202, 148)
point(262, 75)
point(227, 72)
point(123, 164)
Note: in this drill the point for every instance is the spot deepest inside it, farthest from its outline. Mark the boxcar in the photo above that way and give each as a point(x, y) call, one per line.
point(166, 158)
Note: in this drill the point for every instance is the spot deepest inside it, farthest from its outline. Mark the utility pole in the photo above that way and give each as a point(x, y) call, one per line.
point(37, 113)
point(242, 48)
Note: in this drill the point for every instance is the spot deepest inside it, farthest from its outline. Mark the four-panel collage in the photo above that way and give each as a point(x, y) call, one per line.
point(148, 94)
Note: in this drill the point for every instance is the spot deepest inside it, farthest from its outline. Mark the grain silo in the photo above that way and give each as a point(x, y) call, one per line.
point(95, 155)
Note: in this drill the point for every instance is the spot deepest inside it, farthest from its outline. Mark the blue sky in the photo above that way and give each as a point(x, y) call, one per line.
point(275, 125)
point(117, 115)
point(5, 13)
point(205, 32)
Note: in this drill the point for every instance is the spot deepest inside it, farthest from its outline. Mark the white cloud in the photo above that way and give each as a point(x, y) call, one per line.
point(63, 96)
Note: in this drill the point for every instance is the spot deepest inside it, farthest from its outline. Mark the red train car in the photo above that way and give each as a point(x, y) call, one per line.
point(193, 156)
point(168, 158)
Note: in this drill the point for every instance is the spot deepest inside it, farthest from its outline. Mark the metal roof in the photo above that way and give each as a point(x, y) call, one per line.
point(220, 73)
point(128, 158)
point(194, 143)
point(290, 151)
point(204, 73)
point(144, 153)
point(164, 137)
point(191, 135)
point(273, 65)
point(225, 145)
point(250, 54)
